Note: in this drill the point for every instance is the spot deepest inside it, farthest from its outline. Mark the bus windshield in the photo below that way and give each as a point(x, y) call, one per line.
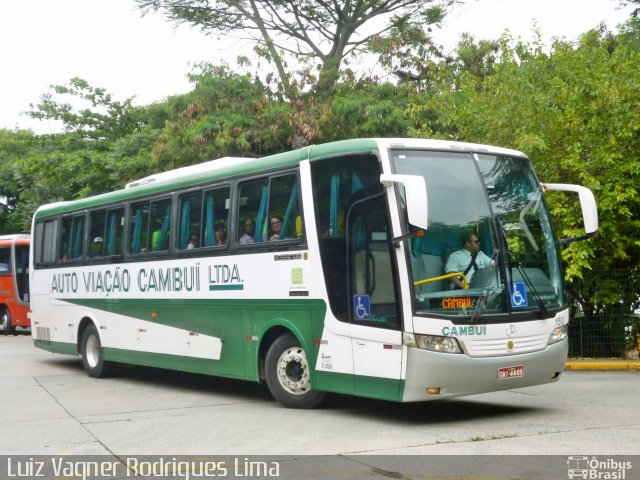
point(489, 246)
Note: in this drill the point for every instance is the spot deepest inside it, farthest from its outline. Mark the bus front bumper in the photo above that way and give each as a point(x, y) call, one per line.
point(453, 375)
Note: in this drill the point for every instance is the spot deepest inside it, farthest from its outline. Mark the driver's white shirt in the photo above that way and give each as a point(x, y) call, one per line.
point(460, 260)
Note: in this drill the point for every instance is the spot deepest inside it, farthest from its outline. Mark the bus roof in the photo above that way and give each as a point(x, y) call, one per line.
point(15, 236)
point(229, 167)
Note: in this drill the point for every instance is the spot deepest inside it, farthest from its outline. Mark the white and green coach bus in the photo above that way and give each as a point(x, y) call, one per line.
point(317, 270)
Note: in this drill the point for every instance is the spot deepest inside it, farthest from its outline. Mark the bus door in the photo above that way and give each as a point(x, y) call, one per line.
point(373, 292)
point(22, 271)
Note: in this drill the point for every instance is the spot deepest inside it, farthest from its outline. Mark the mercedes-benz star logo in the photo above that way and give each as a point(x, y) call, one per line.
point(511, 330)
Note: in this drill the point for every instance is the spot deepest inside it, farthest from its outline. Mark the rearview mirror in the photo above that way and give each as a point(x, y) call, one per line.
point(587, 204)
point(416, 196)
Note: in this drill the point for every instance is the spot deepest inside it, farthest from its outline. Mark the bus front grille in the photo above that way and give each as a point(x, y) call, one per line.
point(505, 346)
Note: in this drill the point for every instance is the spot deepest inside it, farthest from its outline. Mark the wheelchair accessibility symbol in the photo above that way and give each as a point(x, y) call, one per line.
point(361, 307)
point(518, 295)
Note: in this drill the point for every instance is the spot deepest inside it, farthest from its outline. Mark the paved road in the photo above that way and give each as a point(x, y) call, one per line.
point(50, 407)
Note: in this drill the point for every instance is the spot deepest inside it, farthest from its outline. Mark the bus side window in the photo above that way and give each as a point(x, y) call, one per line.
point(113, 232)
point(96, 233)
point(253, 201)
point(71, 245)
point(45, 237)
point(273, 204)
point(139, 228)
point(201, 213)
point(5, 260)
point(284, 205)
point(216, 217)
point(190, 226)
point(150, 226)
point(160, 224)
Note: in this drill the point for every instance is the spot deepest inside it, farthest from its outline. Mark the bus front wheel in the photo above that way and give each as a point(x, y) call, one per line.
point(92, 357)
point(288, 374)
point(6, 322)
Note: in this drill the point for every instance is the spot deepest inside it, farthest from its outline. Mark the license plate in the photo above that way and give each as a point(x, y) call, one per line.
point(511, 372)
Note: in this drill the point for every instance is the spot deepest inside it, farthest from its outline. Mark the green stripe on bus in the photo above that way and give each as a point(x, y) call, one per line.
point(57, 347)
point(232, 321)
point(174, 362)
point(225, 287)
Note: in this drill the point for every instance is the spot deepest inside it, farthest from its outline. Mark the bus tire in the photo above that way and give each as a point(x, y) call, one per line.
point(288, 374)
point(92, 356)
point(6, 322)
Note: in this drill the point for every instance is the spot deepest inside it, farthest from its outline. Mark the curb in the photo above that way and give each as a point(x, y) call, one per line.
point(602, 365)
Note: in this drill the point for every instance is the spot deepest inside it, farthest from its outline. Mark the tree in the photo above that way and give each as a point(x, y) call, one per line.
point(105, 143)
point(636, 11)
point(14, 147)
point(225, 114)
point(366, 108)
point(303, 33)
point(90, 112)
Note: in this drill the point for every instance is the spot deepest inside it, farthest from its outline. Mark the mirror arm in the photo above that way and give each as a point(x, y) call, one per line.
point(566, 241)
point(398, 240)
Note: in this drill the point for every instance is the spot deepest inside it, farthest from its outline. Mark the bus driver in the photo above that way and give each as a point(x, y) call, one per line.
point(467, 260)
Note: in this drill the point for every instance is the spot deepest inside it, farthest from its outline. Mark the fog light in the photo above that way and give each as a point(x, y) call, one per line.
point(433, 390)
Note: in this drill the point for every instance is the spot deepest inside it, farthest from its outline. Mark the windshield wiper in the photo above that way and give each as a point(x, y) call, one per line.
point(481, 302)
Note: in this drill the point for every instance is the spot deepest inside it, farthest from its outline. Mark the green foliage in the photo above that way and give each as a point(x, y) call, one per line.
point(407, 49)
point(88, 111)
point(105, 143)
point(226, 114)
point(366, 109)
point(129, 157)
point(60, 175)
point(14, 146)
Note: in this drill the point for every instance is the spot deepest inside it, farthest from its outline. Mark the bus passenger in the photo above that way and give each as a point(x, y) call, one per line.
point(276, 228)
point(96, 247)
point(467, 260)
point(249, 231)
point(193, 242)
point(220, 232)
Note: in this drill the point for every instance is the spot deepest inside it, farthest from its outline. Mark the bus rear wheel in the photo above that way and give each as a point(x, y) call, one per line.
point(288, 374)
point(6, 322)
point(92, 356)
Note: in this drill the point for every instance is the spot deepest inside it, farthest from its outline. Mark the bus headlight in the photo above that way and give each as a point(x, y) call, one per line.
point(559, 333)
point(437, 343)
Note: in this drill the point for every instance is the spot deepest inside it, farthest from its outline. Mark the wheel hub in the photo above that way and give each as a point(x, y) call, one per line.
point(293, 371)
point(92, 351)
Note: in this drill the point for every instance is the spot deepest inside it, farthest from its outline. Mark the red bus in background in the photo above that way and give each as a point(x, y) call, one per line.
point(14, 282)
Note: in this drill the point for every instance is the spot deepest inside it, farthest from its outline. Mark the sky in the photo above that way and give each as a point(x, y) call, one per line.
point(109, 44)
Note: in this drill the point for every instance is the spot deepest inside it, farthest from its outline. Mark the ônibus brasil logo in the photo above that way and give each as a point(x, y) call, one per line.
point(593, 468)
